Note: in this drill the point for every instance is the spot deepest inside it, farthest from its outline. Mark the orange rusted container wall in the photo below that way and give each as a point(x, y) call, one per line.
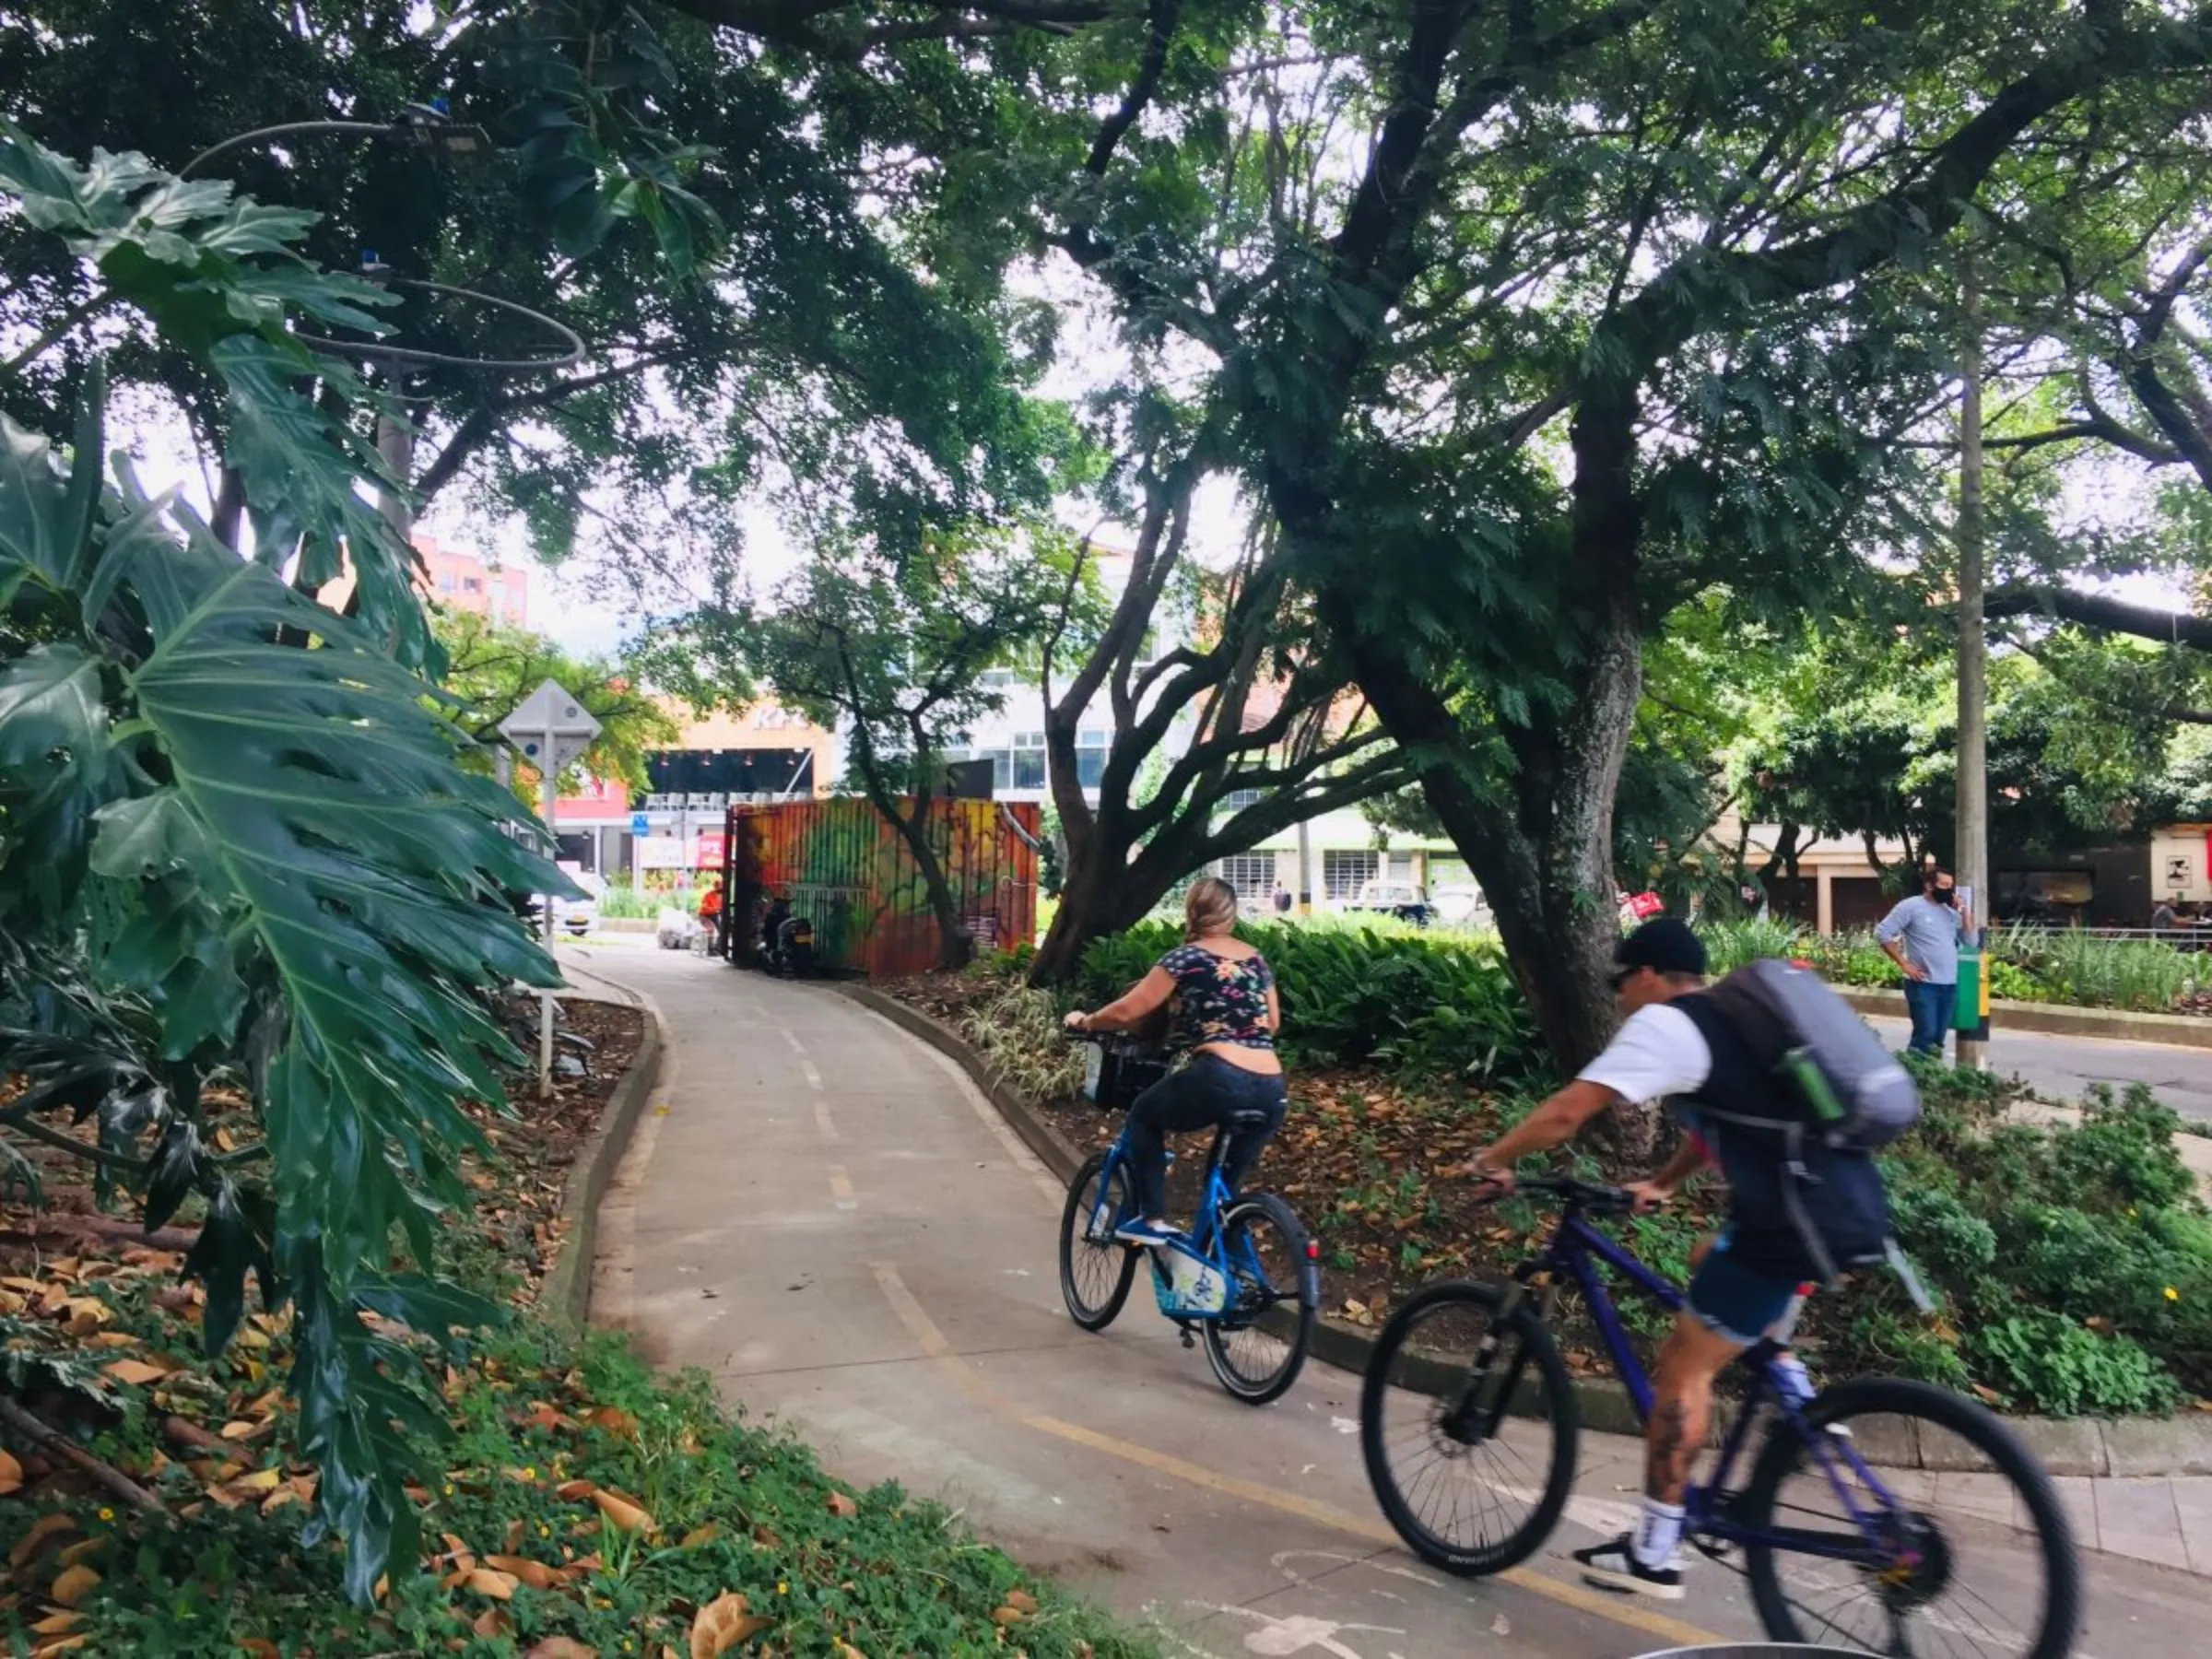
point(846, 870)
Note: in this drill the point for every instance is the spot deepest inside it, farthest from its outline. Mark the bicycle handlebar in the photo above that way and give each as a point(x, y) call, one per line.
point(1580, 1195)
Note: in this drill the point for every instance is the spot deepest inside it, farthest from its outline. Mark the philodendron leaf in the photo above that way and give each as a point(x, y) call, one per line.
point(53, 725)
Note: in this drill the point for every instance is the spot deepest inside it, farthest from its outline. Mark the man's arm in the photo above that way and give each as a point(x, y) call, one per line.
point(1553, 1124)
point(1664, 1183)
point(1889, 935)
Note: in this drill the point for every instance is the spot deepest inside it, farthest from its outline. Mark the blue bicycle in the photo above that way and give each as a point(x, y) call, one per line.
point(1469, 1422)
point(1245, 1278)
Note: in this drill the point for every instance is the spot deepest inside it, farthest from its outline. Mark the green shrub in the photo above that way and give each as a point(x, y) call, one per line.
point(2086, 970)
point(1729, 945)
point(1437, 1006)
point(2045, 1361)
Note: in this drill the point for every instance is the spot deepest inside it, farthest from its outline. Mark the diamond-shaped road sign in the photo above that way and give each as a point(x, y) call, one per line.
point(550, 715)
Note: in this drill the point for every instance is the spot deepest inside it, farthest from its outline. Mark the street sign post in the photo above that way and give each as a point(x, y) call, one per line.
point(551, 729)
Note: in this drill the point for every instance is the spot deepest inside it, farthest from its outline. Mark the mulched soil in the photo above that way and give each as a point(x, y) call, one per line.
point(522, 1203)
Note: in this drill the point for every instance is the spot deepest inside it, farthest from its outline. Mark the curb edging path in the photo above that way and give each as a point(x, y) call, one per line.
point(565, 1293)
point(2074, 1446)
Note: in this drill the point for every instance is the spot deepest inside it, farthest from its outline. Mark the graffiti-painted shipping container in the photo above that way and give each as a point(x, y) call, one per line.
point(846, 870)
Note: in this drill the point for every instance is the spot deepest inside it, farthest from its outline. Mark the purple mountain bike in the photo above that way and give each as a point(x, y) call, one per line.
point(1469, 1422)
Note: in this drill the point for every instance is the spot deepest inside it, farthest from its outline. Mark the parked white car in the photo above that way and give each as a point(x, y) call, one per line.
point(1461, 906)
point(1407, 901)
point(576, 917)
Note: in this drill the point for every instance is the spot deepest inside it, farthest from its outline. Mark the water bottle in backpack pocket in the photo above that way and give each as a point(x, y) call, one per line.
point(1185, 1282)
point(1848, 1090)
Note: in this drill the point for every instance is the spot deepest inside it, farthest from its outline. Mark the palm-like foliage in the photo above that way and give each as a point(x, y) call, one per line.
point(237, 848)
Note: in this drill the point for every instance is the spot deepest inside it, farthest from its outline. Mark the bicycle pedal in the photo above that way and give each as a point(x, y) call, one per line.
point(1189, 1341)
point(1713, 1549)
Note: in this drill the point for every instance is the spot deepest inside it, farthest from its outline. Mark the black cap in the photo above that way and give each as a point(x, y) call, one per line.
point(1663, 944)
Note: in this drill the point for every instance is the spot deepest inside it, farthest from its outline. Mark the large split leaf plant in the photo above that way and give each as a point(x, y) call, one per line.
point(239, 856)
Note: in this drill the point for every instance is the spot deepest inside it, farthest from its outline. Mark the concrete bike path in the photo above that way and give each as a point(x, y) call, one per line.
point(825, 1216)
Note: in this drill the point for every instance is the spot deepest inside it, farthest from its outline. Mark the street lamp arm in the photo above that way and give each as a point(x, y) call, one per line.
point(374, 129)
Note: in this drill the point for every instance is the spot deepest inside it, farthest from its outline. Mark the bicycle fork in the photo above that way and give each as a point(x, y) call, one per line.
point(1487, 1394)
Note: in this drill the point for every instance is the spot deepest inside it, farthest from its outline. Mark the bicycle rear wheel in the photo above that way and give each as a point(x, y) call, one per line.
point(1258, 1346)
point(1095, 1270)
point(1471, 1461)
point(1930, 1582)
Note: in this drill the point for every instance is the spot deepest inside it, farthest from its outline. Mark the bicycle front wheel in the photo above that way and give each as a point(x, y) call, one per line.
point(1095, 1270)
point(1258, 1346)
point(1918, 1581)
point(1468, 1421)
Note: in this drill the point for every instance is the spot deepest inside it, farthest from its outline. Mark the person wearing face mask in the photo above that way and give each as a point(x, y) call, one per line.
point(1921, 936)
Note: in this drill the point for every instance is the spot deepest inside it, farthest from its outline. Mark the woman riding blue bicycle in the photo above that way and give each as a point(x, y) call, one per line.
point(1226, 1014)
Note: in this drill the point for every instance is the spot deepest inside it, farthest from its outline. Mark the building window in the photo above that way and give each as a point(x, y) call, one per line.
point(1236, 800)
point(1028, 760)
point(1090, 759)
point(995, 680)
point(1252, 874)
point(1342, 873)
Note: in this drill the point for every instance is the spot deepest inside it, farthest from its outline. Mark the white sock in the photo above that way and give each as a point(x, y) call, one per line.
point(1659, 1535)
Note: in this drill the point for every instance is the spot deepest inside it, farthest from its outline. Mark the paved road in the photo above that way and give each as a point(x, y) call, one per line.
point(827, 1218)
point(2061, 1067)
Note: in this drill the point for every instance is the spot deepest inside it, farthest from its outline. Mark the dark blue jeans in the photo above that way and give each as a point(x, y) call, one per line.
point(1201, 1094)
point(1931, 1007)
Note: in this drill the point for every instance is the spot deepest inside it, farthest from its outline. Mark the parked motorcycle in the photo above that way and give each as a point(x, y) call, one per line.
point(788, 948)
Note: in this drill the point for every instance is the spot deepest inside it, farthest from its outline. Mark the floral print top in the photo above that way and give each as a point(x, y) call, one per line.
point(1219, 999)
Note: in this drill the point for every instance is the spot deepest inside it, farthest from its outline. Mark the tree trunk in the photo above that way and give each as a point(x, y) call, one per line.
point(1094, 904)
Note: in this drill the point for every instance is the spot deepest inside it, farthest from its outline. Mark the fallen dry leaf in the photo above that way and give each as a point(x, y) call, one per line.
point(535, 1574)
point(623, 1515)
point(569, 1491)
point(11, 1475)
point(260, 1647)
point(489, 1581)
point(1021, 1601)
point(702, 1534)
point(722, 1623)
point(72, 1586)
point(842, 1507)
point(846, 1649)
point(53, 1624)
point(45, 1527)
point(79, 1551)
point(1006, 1617)
point(492, 1623)
point(561, 1647)
point(138, 1373)
point(614, 1421)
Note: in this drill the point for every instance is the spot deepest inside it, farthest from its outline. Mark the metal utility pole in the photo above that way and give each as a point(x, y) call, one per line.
point(1974, 665)
point(1305, 868)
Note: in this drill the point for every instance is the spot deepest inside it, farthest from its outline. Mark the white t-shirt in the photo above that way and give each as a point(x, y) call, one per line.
point(1659, 1052)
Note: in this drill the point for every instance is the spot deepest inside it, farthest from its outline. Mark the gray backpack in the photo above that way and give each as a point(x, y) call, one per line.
point(1849, 1090)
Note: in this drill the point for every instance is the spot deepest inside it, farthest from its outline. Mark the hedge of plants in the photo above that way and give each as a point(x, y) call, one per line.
point(2027, 964)
point(1435, 1005)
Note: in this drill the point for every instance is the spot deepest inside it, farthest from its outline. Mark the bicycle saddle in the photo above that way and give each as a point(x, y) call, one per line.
point(1248, 1119)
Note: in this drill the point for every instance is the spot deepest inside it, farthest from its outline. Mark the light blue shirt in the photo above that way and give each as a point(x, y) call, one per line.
point(1930, 934)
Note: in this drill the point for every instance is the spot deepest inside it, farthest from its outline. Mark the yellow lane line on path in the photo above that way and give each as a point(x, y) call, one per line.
point(933, 1343)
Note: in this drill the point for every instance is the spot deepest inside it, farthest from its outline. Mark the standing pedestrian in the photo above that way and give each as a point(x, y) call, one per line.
point(1282, 899)
point(2164, 918)
point(1921, 936)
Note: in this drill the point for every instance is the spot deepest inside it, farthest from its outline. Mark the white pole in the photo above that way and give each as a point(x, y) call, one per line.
point(548, 783)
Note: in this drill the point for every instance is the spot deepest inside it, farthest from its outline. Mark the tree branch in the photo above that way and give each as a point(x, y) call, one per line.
point(2099, 611)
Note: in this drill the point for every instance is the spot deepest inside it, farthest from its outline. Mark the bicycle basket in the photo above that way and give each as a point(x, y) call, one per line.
point(1119, 1069)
